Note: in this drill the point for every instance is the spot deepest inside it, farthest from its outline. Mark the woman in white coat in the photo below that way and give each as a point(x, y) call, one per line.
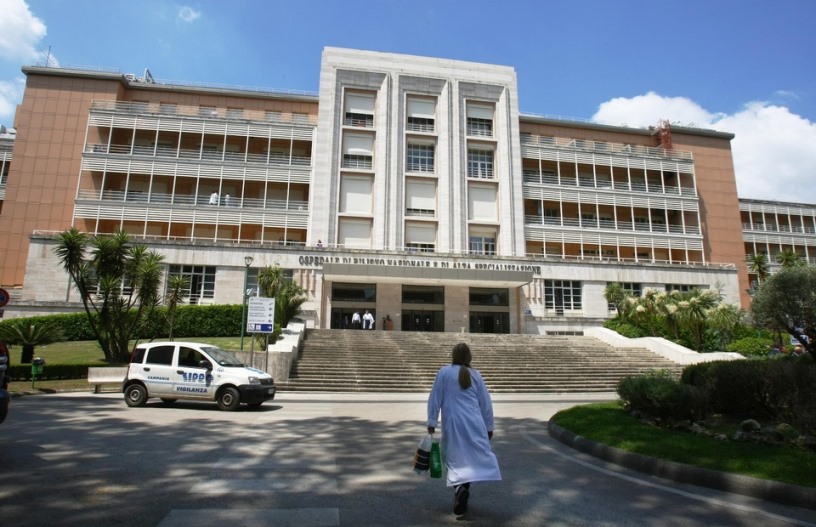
point(459, 392)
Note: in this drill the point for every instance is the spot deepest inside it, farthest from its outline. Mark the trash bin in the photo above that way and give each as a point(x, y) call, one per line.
point(37, 365)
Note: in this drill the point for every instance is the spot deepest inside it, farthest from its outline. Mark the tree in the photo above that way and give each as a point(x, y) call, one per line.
point(758, 265)
point(725, 319)
point(29, 336)
point(117, 281)
point(614, 293)
point(787, 300)
point(178, 287)
point(693, 311)
point(288, 295)
point(789, 258)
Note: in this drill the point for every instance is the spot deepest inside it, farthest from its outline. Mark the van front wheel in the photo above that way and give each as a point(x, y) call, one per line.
point(229, 399)
point(135, 395)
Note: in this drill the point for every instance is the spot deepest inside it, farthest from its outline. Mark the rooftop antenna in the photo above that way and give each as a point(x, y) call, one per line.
point(148, 77)
point(47, 56)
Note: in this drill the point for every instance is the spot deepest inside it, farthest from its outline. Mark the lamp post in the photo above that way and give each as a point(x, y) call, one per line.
point(247, 263)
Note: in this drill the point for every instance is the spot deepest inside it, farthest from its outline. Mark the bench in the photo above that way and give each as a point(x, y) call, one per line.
point(98, 377)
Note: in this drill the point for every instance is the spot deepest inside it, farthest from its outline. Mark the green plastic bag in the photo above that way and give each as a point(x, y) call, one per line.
point(436, 460)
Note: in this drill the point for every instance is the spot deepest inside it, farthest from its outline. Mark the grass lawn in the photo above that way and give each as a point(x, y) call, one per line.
point(608, 424)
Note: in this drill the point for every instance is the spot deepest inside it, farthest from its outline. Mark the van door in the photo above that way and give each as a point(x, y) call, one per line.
point(157, 370)
point(190, 379)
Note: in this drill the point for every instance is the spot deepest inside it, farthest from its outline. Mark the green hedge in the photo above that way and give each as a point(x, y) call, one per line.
point(750, 346)
point(56, 372)
point(659, 394)
point(190, 321)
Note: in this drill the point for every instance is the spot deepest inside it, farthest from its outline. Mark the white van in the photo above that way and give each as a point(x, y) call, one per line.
point(193, 371)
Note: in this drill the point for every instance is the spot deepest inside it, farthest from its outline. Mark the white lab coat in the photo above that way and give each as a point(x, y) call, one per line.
point(467, 415)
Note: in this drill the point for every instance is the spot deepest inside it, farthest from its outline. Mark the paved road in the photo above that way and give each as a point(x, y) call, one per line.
point(319, 460)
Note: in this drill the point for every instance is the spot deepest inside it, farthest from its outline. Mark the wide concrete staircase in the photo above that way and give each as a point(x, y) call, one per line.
point(396, 361)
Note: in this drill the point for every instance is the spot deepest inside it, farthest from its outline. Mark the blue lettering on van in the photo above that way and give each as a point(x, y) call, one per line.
point(197, 377)
point(190, 389)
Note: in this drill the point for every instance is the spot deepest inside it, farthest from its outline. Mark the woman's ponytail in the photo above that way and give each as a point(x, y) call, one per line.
point(461, 356)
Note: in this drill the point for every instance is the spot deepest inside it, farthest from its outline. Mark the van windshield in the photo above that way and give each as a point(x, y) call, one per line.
point(223, 358)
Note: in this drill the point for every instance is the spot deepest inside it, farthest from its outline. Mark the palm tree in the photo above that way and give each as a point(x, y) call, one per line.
point(29, 336)
point(788, 258)
point(724, 319)
point(118, 282)
point(178, 288)
point(758, 265)
point(693, 312)
point(614, 293)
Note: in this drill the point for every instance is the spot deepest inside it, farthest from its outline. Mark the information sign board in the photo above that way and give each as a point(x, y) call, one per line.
point(261, 315)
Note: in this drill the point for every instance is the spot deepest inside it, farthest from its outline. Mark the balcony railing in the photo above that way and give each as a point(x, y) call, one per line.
point(627, 226)
point(425, 213)
point(764, 227)
point(143, 108)
point(545, 178)
point(355, 162)
point(196, 154)
point(156, 198)
point(603, 147)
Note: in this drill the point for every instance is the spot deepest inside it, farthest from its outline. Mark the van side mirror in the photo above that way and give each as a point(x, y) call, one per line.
point(205, 364)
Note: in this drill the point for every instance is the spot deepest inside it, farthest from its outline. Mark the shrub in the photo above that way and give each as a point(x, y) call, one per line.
point(658, 394)
point(625, 328)
point(750, 346)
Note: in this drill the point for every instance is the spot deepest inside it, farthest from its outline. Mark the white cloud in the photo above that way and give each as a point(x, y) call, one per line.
point(187, 14)
point(20, 31)
point(11, 92)
point(773, 149)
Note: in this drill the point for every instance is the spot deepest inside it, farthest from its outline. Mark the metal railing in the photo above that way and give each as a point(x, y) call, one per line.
point(199, 154)
point(544, 178)
point(199, 112)
point(760, 227)
point(623, 226)
point(157, 198)
point(603, 147)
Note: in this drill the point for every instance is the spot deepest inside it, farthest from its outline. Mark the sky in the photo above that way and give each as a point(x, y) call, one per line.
point(746, 67)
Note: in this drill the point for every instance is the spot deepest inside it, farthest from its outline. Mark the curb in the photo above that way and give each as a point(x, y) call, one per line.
point(796, 495)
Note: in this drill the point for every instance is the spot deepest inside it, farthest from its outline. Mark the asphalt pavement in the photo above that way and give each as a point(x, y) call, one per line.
point(323, 460)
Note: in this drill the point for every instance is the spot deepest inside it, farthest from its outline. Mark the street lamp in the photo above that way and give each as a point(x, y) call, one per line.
point(247, 263)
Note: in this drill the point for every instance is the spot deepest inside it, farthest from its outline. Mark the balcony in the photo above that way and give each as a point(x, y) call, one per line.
point(162, 152)
point(609, 225)
point(766, 227)
point(551, 179)
point(578, 145)
point(157, 198)
point(202, 112)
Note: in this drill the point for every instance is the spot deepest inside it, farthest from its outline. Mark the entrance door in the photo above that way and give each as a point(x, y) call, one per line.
point(421, 320)
point(489, 322)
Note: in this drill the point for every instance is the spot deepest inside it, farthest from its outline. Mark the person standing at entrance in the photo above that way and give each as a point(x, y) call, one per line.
point(460, 393)
point(355, 320)
point(368, 320)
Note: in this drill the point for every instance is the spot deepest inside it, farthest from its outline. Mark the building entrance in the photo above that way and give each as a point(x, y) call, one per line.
point(421, 320)
point(489, 322)
point(342, 317)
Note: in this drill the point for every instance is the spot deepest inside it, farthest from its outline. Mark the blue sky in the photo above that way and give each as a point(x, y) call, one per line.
point(742, 66)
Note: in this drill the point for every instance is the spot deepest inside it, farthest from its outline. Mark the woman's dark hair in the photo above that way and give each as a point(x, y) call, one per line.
point(461, 356)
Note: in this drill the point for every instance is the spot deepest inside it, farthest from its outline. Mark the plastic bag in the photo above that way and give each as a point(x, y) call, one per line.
point(423, 453)
point(436, 460)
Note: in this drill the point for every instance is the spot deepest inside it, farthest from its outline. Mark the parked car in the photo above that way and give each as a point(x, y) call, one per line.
point(193, 371)
point(4, 395)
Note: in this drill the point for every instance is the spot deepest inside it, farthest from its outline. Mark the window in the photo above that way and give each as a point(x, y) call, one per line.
point(420, 237)
point(201, 278)
point(479, 120)
point(420, 115)
point(421, 247)
point(561, 295)
point(489, 297)
point(207, 111)
point(354, 292)
point(420, 198)
point(189, 358)
point(235, 113)
point(167, 108)
point(161, 355)
point(483, 244)
point(419, 158)
point(480, 163)
point(683, 288)
point(359, 110)
point(418, 294)
point(358, 151)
